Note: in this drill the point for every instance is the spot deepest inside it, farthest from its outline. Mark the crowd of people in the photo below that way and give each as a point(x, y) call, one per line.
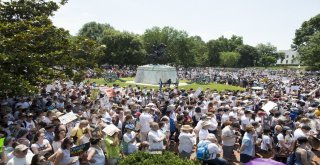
point(209, 126)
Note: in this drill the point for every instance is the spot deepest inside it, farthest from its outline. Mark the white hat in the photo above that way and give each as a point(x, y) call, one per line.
point(151, 104)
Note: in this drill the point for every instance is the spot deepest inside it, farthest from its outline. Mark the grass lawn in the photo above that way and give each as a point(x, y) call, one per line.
point(212, 86)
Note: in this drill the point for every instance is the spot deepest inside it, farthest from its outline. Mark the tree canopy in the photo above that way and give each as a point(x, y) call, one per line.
point(306, 42)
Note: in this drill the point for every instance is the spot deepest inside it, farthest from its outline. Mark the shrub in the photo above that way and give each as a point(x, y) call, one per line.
point(144, 158)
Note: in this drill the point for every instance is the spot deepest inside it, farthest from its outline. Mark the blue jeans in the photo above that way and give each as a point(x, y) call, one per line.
point(185, 155)
point(216, 161)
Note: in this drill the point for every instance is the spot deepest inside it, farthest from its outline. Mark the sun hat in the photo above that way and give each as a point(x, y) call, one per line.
point(186, 128)
point(20, 147)
point(205, 124)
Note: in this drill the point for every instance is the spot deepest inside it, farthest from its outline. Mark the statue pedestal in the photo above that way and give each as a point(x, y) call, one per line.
point(151, 74)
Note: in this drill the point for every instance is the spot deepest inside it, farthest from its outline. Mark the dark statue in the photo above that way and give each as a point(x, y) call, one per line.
point(158, 52)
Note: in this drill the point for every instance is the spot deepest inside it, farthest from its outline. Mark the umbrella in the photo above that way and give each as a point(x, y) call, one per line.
point(261, 161)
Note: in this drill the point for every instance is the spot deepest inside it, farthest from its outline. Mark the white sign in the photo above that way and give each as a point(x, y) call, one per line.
point(295, 88)
point(67, 118)
point(197, 93)
point(49, 88)
point(270, 105)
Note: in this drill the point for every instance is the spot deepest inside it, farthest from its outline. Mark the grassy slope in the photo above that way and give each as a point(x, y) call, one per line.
point(219, 87)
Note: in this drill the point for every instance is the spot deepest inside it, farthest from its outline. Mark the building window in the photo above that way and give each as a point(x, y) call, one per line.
point(292, 61)
point(292, 56)
point(286, 61)
point(287, 56)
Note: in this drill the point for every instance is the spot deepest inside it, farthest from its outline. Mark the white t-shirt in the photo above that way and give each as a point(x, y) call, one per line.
point(41, 147)
point(203, 134)
point(29, 125)
point(227, 132)
point(127, 137)
point(145, 120)
point(18, 161)
point(213, 150)
point(153, 139)
point(244, 121)
point(279, 137)
point(224, 118)
point(266, 141)
point(298, 133)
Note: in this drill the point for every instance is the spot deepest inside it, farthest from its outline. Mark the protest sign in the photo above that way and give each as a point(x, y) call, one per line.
point(67, 118)
point(1, 144)
point(270, 105)
point(295, 88)
point(49, 88)
point(78, 150)
point(197, 93)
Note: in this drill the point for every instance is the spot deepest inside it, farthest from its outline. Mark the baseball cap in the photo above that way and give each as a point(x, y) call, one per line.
point(20, 147)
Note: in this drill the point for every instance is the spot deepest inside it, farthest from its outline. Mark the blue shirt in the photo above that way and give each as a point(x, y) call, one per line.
point(49, 136)
point(248, 143)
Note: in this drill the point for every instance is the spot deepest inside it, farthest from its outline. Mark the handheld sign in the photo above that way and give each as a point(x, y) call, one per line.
point(295, 88)
point(67, 118)
point(78, 150)
point(270, 105)
point(197, 93)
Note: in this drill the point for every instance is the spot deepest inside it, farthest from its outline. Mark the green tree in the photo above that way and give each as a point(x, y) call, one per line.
point(94, 30)
point(248, 55)
point(122, 48)
point(222, 44)
point(229, 59)
point(310, 52)
point(267, 60)
point(174, 40)
point(267, 50)
point(32, 50)
point(306, 42)
point(199, 50)
point(87, 52)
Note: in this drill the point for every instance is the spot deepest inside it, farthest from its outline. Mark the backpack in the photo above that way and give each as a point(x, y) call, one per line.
point(202, 151)
point(291, 159)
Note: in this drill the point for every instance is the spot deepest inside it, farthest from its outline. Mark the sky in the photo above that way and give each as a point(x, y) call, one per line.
point(257, 21)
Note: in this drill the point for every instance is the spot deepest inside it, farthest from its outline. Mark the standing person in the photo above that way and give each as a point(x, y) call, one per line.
point(58, 138)
point(20, 155)
point(129, 140)
point(77, 132)
point(203, 133)
point(283, 149)
point(247, 149)
point(302, 151)
point(95, 153)
point(62, 156)
point(187, 141)
point(213, 148)
point(155, 138)
point(112, 145)
point(145, 120)
point(229, 137)
point(266, 144)
point(41, 145)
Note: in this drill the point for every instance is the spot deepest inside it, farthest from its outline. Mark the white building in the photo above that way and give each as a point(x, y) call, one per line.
point(291, 58)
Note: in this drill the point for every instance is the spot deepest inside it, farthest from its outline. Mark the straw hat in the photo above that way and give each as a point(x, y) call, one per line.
point(205, 124)
point(186, 128)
